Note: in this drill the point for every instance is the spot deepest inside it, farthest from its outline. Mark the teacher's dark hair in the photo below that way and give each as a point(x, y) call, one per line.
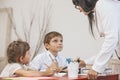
point(87, 5)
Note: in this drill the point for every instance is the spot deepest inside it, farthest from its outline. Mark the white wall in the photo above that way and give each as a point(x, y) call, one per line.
point(74, 27)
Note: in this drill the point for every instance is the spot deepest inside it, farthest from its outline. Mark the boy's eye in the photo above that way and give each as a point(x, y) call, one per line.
point(61, 40)
point(55, 41)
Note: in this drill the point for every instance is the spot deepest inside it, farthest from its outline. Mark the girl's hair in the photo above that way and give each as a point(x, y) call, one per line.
point(15, 50)
point(51, 35)
point(87, 5)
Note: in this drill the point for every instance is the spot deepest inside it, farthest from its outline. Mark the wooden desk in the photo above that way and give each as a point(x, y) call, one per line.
point(108, 77)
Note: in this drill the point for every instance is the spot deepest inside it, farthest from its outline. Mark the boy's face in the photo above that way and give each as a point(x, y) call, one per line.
point(55, 45)
point(26, 58)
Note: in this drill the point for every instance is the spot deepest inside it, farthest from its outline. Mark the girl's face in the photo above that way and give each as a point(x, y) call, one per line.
point(55, 45)
point(82, 10)
point(26, 58)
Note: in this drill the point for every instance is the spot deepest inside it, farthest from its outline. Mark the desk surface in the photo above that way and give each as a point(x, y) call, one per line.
point(107, 77)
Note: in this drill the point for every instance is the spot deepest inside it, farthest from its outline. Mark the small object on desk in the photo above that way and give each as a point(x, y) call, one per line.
point(14, 78)
point(59, 74)
point(73, 70)
point(78, 60)
point(64, 68)
point(79, 70)
point(68, 60)
point(84, 70)
point(107, 71)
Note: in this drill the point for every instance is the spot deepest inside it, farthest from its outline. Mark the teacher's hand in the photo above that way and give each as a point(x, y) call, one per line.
point(92, 74)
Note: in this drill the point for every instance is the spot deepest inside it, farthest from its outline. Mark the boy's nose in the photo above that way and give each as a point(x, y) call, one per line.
point(80, 10)
point(60, 42)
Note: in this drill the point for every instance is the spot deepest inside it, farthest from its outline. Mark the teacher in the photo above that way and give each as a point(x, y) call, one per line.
point(105, 14)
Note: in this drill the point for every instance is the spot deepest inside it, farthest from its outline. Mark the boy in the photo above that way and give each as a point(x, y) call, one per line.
point(53, 43)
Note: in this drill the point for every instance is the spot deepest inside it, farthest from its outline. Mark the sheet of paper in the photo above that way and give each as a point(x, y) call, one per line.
point(59, 74)
point(38, 78)
point(15, 78)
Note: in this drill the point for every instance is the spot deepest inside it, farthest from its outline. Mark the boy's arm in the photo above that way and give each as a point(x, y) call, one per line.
point(36, 63)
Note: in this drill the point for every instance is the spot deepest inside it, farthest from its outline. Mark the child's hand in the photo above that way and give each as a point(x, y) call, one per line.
point(82, 64)
point(49, 71)
point(64, 70)
point(54, 66)
point(59, 69)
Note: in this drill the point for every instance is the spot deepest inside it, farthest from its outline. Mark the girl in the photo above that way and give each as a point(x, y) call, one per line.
point(18, 55)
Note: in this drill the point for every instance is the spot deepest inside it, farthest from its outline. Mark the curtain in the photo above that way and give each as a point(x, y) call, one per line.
point(30, 20)
point(4, 30)
point(41, 16)
point(4, 35)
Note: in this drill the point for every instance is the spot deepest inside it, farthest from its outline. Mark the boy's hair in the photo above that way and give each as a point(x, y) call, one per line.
point(51, 35)
point(15, 50)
